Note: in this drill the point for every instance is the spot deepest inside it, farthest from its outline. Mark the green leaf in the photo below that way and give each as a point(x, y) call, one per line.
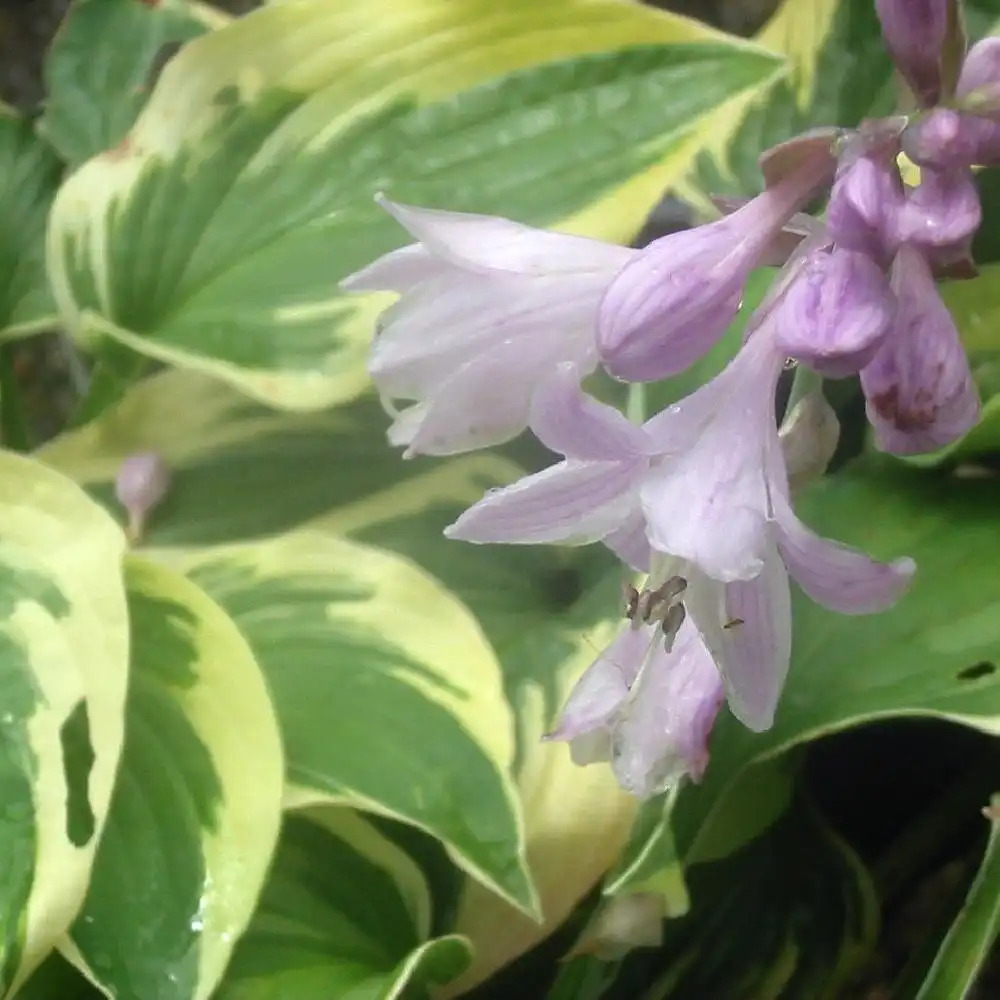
point(63, 672)
point(233, 460)
point(332, 922)
point(968, 943)
point(196, 809)
point(246, 186)
point(839, 73)
point(975, 307)
point(388, 694)
point(31, 174)
point(100, 68)
point(791, 915)
point(547, 612)
point(55, 977)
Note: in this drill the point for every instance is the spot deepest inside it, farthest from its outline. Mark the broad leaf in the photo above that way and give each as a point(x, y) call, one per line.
point(233, 461)
point(547, 612)
point(791, 914)
point(196, 809)
point(215, 234)
point(333, 922)
point(389, 697)
point(63, 672)
point(31, 174)
point(99, 70)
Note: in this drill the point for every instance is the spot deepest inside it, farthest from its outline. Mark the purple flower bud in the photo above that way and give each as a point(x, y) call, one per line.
point(943, 210)
point(865, 203)
point(920, 392)
point(670, 304)
point(948, 139)
point(836, 313)
point(142, 482)
point(979, 83)
point(915, 32)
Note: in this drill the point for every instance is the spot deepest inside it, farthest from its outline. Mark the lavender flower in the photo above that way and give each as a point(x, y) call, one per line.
point(836, 313)
point(648, 710)
point(705, 482)
point(674, 300)
point(865, 203)
point(920, 391)
point(488, 308)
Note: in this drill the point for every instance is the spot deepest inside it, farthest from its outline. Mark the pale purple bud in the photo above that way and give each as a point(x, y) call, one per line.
point(945, 138)
point(865, 203)
point(809, 434)
point(836, 313)
point(670, 304)
point(812, 152)
point(943, 210)
point(915, 32)
point(141, 484)
point(920, 391)
point(979, 83)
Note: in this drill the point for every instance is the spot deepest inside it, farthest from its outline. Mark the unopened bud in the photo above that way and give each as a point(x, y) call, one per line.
point(836, 313)
point(915, 32)
point(142, 482)
point(979, 85)
point(624, 923)
point(865, 203)
point(809, 435)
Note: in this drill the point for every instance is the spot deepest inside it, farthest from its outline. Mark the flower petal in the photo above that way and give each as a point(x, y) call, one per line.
point(630, 544)
point(604, 685)
point(397, 271)
point(834, 575)
point(571, 502)
point(707, 500)
point(569, 422)
point(755, 643)
point(662, 732)
point(446, 322)
point(490, 243)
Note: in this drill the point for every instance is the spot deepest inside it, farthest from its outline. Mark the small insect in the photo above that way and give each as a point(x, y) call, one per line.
point(733, 623)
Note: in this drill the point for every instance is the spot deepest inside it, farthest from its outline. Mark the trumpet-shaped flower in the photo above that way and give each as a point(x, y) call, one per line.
point(488, 307)
point(700, 492)
point(647, 710)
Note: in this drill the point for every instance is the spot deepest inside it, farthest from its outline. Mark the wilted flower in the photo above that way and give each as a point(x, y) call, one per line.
point(488, 308)
point(141, 484)
point(674, 300)
point(836, 312)
point(915, 33)
point(920, 391)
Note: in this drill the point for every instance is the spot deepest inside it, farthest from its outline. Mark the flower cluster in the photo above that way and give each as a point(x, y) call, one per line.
point(498, 326)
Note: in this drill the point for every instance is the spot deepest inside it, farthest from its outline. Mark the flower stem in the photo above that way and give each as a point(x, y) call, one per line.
point(635, 405)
